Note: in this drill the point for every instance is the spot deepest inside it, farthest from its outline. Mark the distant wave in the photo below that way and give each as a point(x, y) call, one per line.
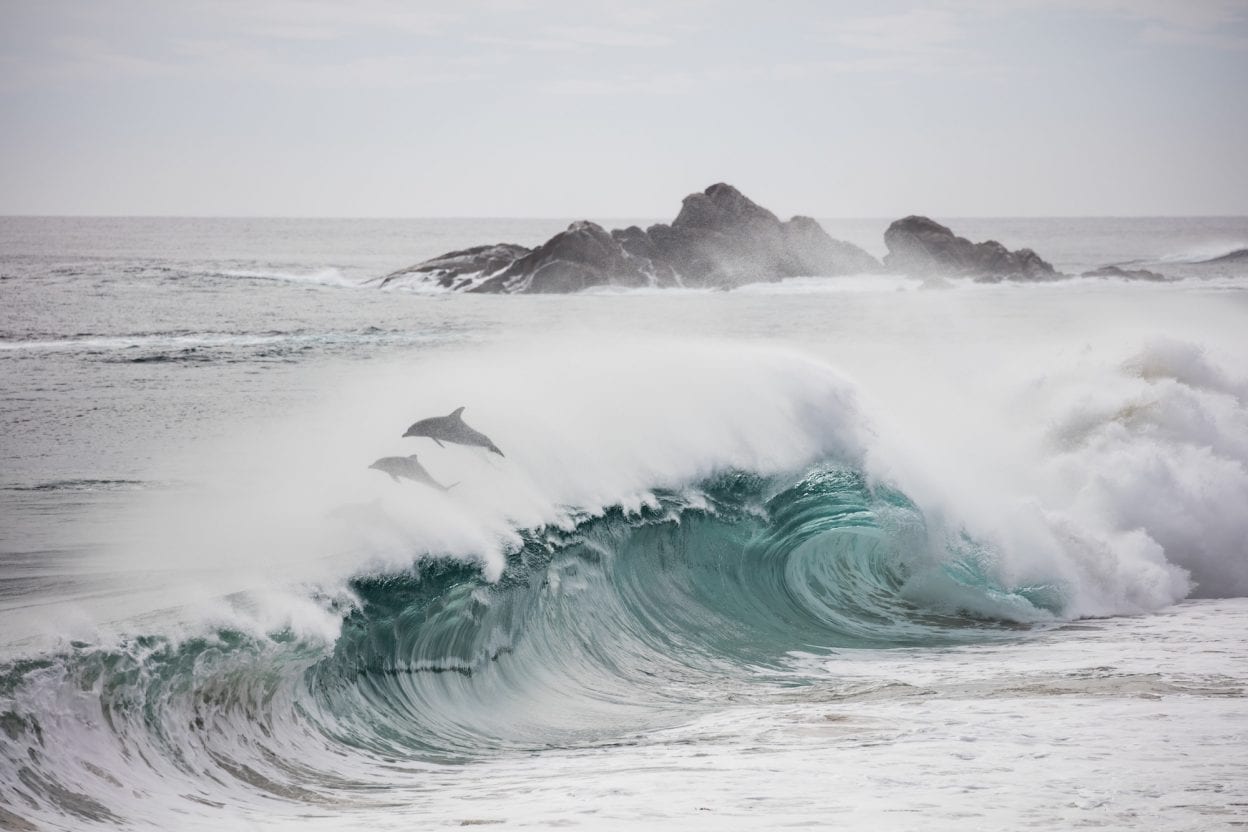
point(640, 291)
point(324, 277)
point(847, 284)
point(148, 340)
point(851, 284)
point(1220, 252)
point(170, 345)
point(84, 485)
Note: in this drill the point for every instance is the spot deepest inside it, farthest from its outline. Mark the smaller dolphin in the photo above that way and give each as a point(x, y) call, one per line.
point(452, 429)
point(406, 467)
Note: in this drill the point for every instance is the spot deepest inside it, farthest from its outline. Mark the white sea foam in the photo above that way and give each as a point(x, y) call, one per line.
point(1117, 479)
point(328, 276)
point(583, 429)
point(1159, 449)
point(1117, 487)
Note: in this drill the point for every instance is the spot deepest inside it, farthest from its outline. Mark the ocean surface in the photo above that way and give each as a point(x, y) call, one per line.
point(863, 552)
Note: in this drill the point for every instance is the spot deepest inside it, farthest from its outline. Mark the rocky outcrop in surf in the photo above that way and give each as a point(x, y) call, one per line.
point(720, 239)
point(456, 269)
point(920, 246)
point(823, 254)
point(583, 256)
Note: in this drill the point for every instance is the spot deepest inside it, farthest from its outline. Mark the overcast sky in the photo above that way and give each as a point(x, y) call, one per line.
point(568, 109)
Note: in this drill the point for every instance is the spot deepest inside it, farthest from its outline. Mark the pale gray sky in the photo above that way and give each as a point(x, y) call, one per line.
point(549, 108)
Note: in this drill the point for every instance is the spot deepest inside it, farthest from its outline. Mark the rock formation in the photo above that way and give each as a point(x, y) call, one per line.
point(821, 254)
point(919, 246)
point(585, 255)
point(457, 269)
point(719, 239)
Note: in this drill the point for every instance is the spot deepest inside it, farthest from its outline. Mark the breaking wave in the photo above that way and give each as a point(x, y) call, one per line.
point(696, 514)
point(708, 589)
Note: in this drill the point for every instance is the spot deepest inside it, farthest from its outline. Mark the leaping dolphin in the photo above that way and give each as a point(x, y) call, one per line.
point(406, 467)
point(452, 429)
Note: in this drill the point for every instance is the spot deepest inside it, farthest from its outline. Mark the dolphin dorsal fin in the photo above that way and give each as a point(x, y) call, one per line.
point(412, 457)
point(457, 413)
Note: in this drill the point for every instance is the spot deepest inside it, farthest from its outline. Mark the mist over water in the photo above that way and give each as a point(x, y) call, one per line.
point(801, 520)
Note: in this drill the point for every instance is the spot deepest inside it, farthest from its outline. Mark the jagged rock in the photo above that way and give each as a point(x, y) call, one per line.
point(722, 238)
point(719, 239)
point(920, 246)
point(1126, 274)
point(637, 242)
point(584, 255)
point(460, 269)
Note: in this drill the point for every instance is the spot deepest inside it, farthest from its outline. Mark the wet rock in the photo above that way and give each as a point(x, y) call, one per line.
point(583, 256)
point(459, 269)
point(920, 246)
point(818, 253)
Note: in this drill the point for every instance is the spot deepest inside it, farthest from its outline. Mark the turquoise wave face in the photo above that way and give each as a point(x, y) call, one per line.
point(623, 622)
point(632, 619)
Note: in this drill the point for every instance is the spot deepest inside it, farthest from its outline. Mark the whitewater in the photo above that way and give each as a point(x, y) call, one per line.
point(855, 551)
